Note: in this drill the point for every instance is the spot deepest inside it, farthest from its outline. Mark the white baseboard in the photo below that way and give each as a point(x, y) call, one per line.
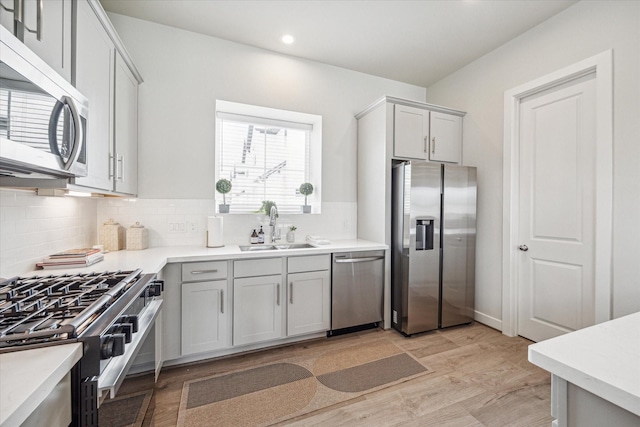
point(490, 321)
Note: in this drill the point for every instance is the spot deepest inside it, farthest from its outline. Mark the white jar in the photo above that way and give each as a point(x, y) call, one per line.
point(111, 236)
point(137, 237)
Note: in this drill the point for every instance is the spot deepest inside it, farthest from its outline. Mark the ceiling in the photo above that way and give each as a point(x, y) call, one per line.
point(417, 42)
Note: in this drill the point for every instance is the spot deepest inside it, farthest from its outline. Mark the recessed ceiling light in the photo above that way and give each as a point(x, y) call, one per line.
point(287, 39)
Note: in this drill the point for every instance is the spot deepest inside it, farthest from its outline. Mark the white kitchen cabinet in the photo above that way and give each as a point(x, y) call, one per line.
point(445, 142)
point(410, 132)
point(94, 78)
point(126, 128)
point(51, 27)
point(308, 302)
point(105, 74)
point(204, 317)
point(257, 309)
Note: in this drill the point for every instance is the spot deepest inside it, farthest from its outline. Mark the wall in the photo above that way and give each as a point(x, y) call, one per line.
point(33, 227)
point(184, 73)
point(579, 32)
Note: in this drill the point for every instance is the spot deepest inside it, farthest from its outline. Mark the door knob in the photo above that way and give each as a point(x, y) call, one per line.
point(523, 248)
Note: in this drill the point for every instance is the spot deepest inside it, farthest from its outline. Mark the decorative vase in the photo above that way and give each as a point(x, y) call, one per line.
point(306, 208)
point(291, 236)
point(112, 236)
point(223, 208)
point(137, 237)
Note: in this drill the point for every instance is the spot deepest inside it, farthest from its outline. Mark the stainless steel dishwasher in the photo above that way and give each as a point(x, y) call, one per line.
point(357, 289)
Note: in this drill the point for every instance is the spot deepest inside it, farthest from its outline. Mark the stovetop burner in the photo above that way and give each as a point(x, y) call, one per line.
point(56, 307)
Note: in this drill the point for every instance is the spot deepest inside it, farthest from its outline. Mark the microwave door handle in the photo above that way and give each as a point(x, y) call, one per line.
point(76, 144)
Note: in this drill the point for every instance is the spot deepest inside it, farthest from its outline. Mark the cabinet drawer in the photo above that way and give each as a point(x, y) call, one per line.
point(201, 271)
point(257, 267)
point(300, 264)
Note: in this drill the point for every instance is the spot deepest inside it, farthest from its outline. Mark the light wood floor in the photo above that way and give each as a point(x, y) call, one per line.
point(479, 378)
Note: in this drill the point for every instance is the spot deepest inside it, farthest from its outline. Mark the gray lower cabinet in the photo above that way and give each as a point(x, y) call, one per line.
point(257, 300)
point(308, 294)
point(210, 307)
point(204, 307)
point(204, 321)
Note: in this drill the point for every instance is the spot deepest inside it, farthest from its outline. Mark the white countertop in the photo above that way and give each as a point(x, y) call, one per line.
point(152, 260)
point(27, 377)
point(603, 359)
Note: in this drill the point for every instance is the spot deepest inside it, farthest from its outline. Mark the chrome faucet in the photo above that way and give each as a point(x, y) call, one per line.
point(273, 219)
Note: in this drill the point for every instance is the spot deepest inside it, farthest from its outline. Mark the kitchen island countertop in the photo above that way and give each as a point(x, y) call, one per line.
point(603, 359)
point(28, 377)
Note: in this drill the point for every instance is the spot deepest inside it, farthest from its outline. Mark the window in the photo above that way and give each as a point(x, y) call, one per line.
point(267, 154)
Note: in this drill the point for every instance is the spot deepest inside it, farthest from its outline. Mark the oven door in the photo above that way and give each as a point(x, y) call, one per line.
point(116, 370)
point(42, 117)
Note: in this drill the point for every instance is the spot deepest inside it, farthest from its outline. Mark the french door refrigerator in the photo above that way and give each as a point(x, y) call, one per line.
point(433, 236)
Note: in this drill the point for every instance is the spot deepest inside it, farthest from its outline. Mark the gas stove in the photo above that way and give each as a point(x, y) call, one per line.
point(110, 313)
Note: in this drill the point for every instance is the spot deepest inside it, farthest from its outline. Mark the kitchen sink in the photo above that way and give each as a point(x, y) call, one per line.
point(295, 246)
point(255, 248)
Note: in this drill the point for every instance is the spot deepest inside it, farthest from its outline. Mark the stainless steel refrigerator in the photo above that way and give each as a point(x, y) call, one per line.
point(433, 237)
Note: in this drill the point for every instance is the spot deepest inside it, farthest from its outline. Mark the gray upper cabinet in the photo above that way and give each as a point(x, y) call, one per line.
point(105, 74)
point(94, 77)
point(126, 129)
point(445, 143)
point(410, 132)
point(45, 27)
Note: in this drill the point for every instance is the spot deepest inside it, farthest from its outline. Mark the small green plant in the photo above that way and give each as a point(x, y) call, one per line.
point(266, 207)
point(293, 228)
point(223, 186)
point(306, 189)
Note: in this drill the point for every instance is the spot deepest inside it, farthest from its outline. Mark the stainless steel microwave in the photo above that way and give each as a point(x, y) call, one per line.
point(43, 117)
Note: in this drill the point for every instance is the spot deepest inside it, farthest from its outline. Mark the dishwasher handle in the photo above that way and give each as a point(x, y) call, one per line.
point(362, 259)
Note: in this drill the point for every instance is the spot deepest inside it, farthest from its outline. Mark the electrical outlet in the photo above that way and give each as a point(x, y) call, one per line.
point(177, 227)
point(395, 317)
point(192, 227)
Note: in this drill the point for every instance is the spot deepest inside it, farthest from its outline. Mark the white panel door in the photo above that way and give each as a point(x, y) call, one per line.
point(557, 210)
point(410, 132)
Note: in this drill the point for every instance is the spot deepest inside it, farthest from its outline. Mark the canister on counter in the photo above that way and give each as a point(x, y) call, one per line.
point(112, 236)
point(137, 237)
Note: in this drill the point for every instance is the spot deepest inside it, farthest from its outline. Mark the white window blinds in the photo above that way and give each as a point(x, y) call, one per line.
point(264, 158)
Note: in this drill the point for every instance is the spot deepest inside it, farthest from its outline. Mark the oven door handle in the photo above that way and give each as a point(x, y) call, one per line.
point(112, 377)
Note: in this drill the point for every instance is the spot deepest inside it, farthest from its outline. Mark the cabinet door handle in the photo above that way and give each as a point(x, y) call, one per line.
point(278, 294)
point(221, 301)
point(120, 176)
point(203, 271)
point(291, 292)
point(425, 143)
point(38, 30)
point(433, 145)
point(111, 160)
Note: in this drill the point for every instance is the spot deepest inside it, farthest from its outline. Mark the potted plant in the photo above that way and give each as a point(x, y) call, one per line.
point(223, 186)
point(291, 235)
point(306, 189)
point(266, 207)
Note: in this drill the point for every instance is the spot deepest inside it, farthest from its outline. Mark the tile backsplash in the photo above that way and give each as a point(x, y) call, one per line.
point(184, 221)
point(32, 227)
